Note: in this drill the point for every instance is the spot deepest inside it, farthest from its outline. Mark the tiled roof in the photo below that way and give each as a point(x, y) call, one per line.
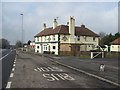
point(64, 29)
point(116, 41)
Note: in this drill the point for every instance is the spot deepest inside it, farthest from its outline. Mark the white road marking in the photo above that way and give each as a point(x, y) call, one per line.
point(5, 55)
point(89, 74)
point(13, 65)
point(35, 70)
point(8, 85)
point(14, 62)
point(57, 77)
point(38, 68)
point(13, 69)
point(11, 75)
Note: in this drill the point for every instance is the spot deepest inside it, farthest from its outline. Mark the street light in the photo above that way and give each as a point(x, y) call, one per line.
point(22, 30)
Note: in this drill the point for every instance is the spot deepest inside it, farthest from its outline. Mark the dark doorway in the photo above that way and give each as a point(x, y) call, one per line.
point(75, 49)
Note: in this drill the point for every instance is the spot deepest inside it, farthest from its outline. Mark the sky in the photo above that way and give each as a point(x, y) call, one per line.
point(97, 16)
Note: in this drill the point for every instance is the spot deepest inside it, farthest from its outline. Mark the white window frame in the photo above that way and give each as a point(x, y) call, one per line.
point(53, 37)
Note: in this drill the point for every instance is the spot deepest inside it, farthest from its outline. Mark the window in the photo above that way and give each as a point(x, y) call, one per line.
point(53, 47)
point(64, 38)
point(37, 38)
point(53, 37)
point(38, 47)
point(85, 38)
point(49, 38)
point(78, 38)
point(45, 38)
point(93, 38)
point(45, 47)
point(41, 39)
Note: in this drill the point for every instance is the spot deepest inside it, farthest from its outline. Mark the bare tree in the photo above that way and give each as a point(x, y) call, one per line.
point(102, 34)
point(18, 44)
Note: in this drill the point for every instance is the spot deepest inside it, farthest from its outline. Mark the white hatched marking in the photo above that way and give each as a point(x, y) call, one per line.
point(8, 85)
point(35, 70)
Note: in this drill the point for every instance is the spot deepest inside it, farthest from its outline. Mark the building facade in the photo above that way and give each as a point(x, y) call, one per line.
point(115, 45)
point(65, 38)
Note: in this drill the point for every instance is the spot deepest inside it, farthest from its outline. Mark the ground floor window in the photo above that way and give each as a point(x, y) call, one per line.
point(38, 47)
point(45, 47)
point(53, 47)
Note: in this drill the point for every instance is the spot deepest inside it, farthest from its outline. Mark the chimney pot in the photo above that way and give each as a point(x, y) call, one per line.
point(67, 23)
point(54, 23)
point(83, 26)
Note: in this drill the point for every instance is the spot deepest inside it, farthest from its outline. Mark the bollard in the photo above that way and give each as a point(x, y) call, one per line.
point(102, 67)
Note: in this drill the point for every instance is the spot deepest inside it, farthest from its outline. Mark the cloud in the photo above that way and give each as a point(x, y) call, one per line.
point(96, 16)
point(60, 0)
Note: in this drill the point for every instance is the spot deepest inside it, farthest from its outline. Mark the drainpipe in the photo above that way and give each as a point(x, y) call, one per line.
point(58, 43)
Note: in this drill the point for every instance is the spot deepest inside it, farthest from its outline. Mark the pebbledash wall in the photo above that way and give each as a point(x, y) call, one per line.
point(115, 48)
point(62, 43)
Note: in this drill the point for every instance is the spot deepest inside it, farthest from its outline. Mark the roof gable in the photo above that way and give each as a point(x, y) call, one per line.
point(116, 41)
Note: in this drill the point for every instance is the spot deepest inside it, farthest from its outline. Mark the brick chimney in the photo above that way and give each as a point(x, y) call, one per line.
point(72, 25)
point(54, 23)
point(72, 29)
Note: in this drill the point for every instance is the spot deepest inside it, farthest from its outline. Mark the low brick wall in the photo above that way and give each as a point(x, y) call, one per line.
point(75, 53)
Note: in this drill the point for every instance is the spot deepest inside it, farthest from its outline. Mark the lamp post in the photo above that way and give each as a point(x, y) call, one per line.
point(22, 30)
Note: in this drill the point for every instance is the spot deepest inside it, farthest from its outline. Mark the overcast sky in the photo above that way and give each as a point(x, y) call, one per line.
point(97, 16)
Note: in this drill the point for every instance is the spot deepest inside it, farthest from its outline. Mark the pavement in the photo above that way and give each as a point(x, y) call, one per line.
point(40, 71)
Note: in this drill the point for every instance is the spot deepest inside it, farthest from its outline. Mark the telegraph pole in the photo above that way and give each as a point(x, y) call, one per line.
point(22, 38)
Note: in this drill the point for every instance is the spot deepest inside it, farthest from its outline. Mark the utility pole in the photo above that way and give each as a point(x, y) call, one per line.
point(22, 38)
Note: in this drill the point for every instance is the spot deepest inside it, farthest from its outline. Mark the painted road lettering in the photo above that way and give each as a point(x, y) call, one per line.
point(49, 69)
point(57, 77)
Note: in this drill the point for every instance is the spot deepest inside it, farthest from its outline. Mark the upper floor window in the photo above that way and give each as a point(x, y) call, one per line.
point(64, 38)
point(53, 37)
point(93, 38)
point(85, 37)
point(49, 38)
point(37, 38)
point(78, 38)
point(45, 38)
point(41, 39)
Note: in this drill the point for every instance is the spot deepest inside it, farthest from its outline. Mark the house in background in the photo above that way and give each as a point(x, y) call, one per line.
point(115, 45)
point(62, 39)
point(30, 46)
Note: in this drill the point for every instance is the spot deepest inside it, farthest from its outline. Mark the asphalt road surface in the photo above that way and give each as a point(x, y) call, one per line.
point(35, 71)
point(111, 71)
point(6, 62)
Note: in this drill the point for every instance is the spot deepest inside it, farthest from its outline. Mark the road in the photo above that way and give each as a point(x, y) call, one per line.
point(35, 71)
point(111, 72)
point(6, 62)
